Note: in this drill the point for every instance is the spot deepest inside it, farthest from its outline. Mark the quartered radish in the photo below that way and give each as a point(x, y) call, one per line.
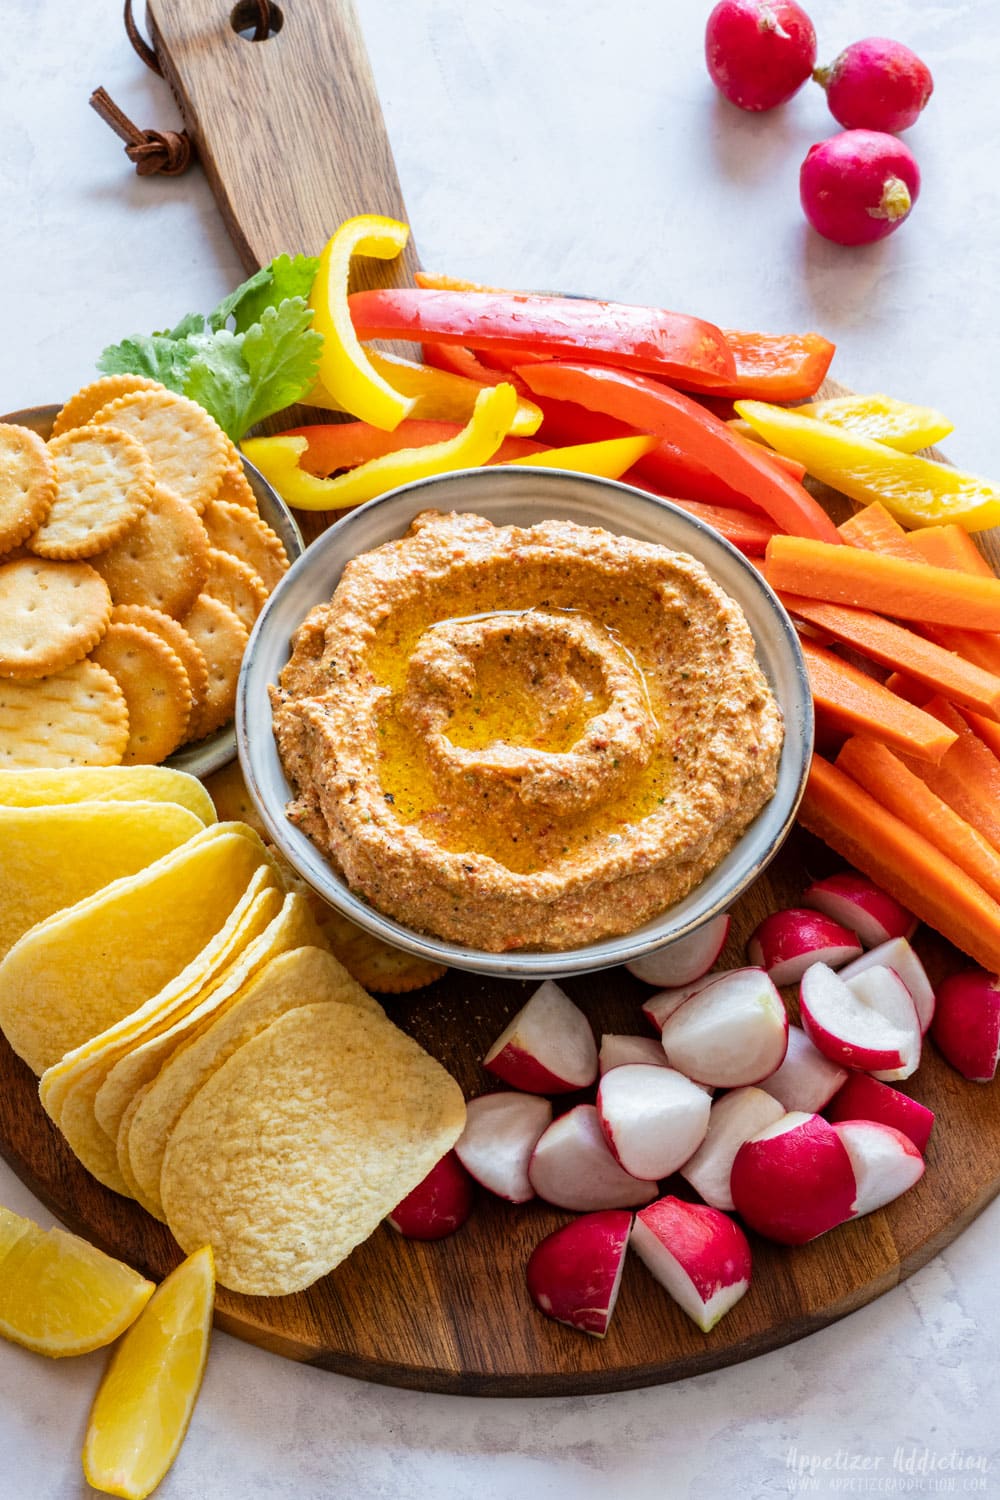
point(862, 906)
point(787, 942)
point(501, 1131)
point(699, 1254)
point(806, 1079)
point(885, 1162)
point(572, 1166)
point(734, 1118)
point(652, 1118)
point(686, 958)
point(437, 1206)
point(897, 954)
point(617, 1051)
point(548, 1048)
point(575, 1272)
point(660, 1007)
point(884, 991)
point(794, 1179)
point(966, 1025)
point(732, 1032)
point(866, 1098)
point(850, 1031)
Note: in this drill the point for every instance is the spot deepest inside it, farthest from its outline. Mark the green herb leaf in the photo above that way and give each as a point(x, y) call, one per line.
point(158, 356)
point(219, 381)
point(286, 276)
point(282, 353)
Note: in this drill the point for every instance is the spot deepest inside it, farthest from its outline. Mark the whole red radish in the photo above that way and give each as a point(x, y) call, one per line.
point(876, 84)
point(759, 52)
point(966, 1025)
point(575, 1272)
point(858, 186)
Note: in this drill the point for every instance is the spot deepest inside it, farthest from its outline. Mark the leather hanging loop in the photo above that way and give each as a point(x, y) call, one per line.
point(150, 151)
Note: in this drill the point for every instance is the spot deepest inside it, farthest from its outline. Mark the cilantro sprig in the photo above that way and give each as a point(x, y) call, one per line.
point(252, 355)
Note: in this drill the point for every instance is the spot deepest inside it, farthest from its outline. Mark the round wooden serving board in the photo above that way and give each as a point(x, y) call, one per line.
point(455, 1316)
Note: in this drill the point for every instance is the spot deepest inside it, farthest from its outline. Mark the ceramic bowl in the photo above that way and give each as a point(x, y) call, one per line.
point(522, 497)
point(215, 750)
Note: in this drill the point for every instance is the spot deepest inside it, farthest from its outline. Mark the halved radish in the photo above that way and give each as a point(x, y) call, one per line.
point(806, 1079)
point(846, 1029)
point(794, 1179)
point(862, 906)
point(884, 991)
point(865, 1098)
point(616, 1051)
point(699, 1254)
point(501, 1131)
point(899, 955)
point(966, 1025)
point(548, 1048)
point(685, 959)
point(734, 1031)
point(787, 942)
point(572, 1166)
point(734, 1118)
point(575, 1272)
point(660, 1007)
point(437, 1206)
point(884, 1160)
point(652, 1118)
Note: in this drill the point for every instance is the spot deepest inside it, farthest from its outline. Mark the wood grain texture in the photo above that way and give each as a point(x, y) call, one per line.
point(291, 136)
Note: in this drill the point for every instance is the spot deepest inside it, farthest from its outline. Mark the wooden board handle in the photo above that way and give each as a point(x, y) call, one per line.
point(289, 130)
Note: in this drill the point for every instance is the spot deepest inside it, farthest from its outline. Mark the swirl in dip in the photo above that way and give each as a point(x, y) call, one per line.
point(525, 738)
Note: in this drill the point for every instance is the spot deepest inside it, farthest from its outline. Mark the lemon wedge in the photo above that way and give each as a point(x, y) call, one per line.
point(144, 1404)
point(59, 1295)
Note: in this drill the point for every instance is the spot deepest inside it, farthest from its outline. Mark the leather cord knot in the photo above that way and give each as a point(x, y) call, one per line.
point(166, 151)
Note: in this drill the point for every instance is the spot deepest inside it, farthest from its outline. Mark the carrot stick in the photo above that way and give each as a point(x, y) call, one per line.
point(872, 580)
point(901, 860)
point(950, 547)
point(860, 705)
point(988, 730)
point(893, 645)
point(897, 788)
point(876, 531)
point(967, 777)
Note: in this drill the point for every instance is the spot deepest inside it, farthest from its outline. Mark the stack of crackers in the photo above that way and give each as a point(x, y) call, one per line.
point(133, 564)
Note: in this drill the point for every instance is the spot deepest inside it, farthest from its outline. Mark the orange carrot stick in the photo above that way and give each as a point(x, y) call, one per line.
point(901, 860)
point(873, 580)
point(896, 787)
point(894, 646)
point(950, 547)
point(967, 777)
point(860, 705)
point(876, 531)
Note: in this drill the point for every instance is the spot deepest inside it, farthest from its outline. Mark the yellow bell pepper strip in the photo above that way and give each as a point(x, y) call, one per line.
point(608, 460)
point(345, 370)
point(898, 424)
point(278, 459)
point(434, 395)
point(917, 491)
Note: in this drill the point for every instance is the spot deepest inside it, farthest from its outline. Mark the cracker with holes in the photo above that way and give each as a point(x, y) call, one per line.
point(234, 529)
point(221, 639)
point(188, 450)
point(235, 487)
point(105, 482)
point(51, 615)
point(27, 484)
point(162, 560)
point(79, 409)
point(235, 584)
point(156, 690)
point(77, 717)
point(176, 637)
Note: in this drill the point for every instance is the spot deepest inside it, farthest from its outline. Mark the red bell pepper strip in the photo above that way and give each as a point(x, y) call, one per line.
point(673, 345)
point(459, 361)
point(333, 446)
point(775, 366)
point(750, 533)
point(652, 407)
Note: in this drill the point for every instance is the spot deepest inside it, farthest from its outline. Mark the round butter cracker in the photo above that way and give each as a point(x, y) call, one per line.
point(27, 484)
point(161, 561)
point(156, 690)
point(188, 450)
point(78, 717)
point(51, 615)
point(105, 482)
point(234, 529)
point(85, 404)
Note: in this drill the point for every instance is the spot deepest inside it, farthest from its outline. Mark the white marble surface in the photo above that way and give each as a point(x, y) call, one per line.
point(573, 144)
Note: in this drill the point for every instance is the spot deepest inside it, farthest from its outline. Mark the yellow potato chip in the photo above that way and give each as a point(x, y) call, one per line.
point(71, 1097)
point(77, 717)
point(56, 855)
point(37, 788)
point(189, 451)
point(157, 691)
point(77, 973)
point(301, 976)
point(250, 915)
point(132, 1187)
point(87, 402)
point(288, 1157)
point(51, 615)
point(105, 483)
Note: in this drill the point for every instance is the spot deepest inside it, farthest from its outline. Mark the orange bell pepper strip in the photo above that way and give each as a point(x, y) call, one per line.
point(345, 370)
point(332, 446)
point(670, 344)
point(678, 419)
point(436, 395)
point(279, 459)
point(773, 366)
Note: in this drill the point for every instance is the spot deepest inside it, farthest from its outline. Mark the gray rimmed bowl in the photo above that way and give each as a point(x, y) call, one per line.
point(218, 749)
point(522, 497)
